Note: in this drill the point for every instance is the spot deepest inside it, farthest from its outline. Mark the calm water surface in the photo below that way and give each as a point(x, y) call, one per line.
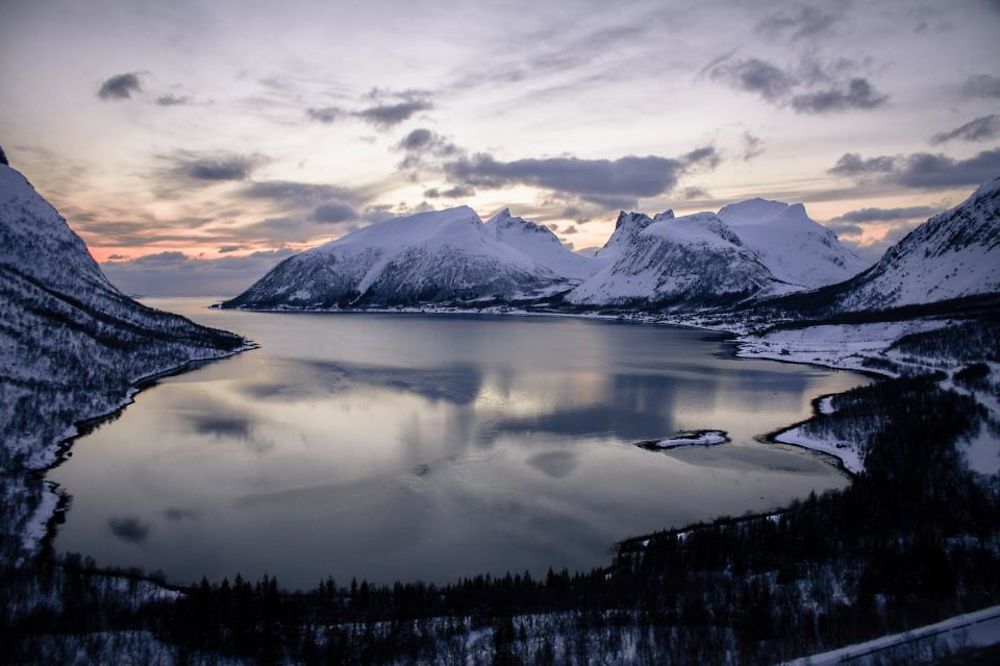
point(432, 447)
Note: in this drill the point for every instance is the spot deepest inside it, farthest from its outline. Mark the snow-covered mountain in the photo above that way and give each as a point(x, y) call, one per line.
point(954, 254)
point(692, 261)
point(71, 345)
point(541, 245)
point(437, 257)
point(794, 248)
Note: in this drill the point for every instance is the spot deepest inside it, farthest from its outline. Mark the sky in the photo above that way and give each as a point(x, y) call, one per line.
point(194, 144)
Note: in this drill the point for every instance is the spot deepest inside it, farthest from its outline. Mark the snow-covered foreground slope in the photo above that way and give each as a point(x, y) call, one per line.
point(71, 345)
point(687, 262)
point(437, 257)
point(794, 248)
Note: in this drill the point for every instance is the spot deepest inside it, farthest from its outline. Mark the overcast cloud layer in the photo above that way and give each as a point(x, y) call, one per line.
point(213, 138)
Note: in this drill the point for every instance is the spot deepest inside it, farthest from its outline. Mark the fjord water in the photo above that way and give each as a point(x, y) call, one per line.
point(388, 446)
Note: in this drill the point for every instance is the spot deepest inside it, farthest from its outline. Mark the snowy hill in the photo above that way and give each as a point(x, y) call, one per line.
point(541, 245)
point(794, 248)
point(71, 345)
point(693, 261)
point(440, 257)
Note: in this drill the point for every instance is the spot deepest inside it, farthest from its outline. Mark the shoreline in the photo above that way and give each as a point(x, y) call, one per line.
point(40, 529)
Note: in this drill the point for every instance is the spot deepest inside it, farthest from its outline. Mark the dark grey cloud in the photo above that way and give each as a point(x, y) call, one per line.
point(301, 195)
point(385, 116)
point(845, 228)
point(887, 214)
point(174, 100)
point(755, 76)
point(982, 85)
point(421, 144)
point(326, 114)
point(857, 94)
point(813, 87)
point(615, 183)
point(383, 109)
point(798, 22)
point(921, 170)
point(120, 86)
point(980, 129)
point(855, 166)
point(456, 192)
point(129, 528)
point(185, 169)
point(695, 193)
point(704, 157)
point(334, 211)
point(226, 249)
point(753, 146)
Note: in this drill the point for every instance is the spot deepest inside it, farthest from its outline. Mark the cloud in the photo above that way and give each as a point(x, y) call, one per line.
point(175, 274)
point(120, 86)
point(225, 249)
point(611, 183)
point(174, 100)
point(695, 193)
point(752, 146)
point(887, 214)
point(422, 143)
point(756, 76)
point(855, 166)
point(334, 211)
point(801, 21)
point(456, 192)
point(921, 170)
point(326, 114)
point(384, 109)
point(982, 85)
point(185, 169)
point(980, 129)
point(828, 88)
point(858, 94)
point(845, 228)
point(384, 116)
point(301, 195)
point(129, 528)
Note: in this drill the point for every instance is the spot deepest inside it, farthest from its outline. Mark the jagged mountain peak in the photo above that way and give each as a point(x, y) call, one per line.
point(665, 215)
point(692, 261)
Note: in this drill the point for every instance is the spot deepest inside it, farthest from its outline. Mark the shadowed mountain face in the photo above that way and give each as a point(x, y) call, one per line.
point(71, 345)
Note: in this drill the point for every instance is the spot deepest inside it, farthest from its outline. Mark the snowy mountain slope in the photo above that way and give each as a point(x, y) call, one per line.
point(954, 254)
point(794, 248)
point(691, 261)
point(71, 345)
point(436, 257)
point(541, 245)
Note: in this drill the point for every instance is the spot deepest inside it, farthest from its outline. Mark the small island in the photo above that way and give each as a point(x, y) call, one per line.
point(686, 438)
